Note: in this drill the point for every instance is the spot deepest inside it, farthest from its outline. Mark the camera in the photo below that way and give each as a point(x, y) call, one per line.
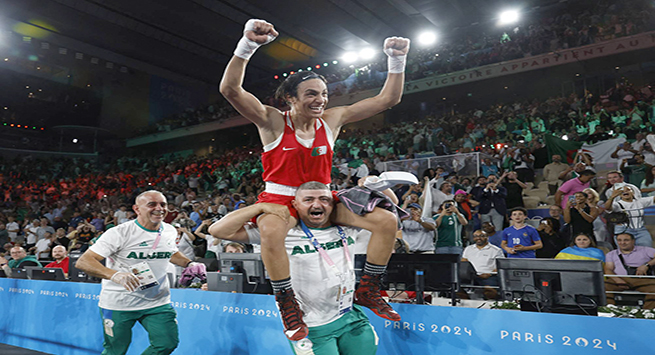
point(448, 205)
point(186, 223)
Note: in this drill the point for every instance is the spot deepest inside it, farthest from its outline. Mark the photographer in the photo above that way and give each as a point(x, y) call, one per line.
point(523, 163)
point(514, 188)
point(624, 151)
point(213, 244)
point(418, 231)
point(552, 240)
point(184, 241)
point(449, 232)
point(635, 169)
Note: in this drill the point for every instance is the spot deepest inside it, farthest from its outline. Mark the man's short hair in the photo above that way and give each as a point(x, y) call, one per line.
point(632, 236)
point(481, 232)
point(588, 172)
point(141, 195)
point(620, 174)
point(312, 185)
point(520, 209)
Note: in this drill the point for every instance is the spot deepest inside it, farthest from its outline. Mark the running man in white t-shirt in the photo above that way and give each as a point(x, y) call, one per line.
point(325, 294)
point(135, 282)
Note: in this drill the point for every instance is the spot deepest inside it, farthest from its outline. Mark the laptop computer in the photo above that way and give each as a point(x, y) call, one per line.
point(225, 282)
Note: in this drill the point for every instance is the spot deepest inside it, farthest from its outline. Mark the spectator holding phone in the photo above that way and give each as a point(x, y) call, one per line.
point(580, 215)
point(572, 186)
point(551, 238)
point(449, 232)
point(634, 208)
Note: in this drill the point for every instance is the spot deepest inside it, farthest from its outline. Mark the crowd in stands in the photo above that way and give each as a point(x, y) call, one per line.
point(31, 186)
point(594, 22)
point(70, 202)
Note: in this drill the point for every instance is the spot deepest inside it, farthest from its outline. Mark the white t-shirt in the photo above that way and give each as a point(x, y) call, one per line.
point(418, 238)
point(623, 154)
point(314, 282)
point(210, 244)
point(634, 209)
point(31, 233)
point(129, 244)
point(483, 260)
point(10, 227)
point(185, 246)
point(121, 216)
point(42, 245)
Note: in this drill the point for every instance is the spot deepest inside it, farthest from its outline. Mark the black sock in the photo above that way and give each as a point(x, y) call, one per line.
point(281, 285)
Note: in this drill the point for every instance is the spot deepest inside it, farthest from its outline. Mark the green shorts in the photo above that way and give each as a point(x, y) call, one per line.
point(159, 322)
point(352, 334)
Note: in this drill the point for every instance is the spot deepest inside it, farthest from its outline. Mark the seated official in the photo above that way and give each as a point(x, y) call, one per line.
point(19, 259)
point(630, 259)
point(482, 255)
point(60, 255)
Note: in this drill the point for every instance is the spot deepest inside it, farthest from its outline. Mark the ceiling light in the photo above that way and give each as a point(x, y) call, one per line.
point(367, 53)
point(508, 17)
point(427, 38)
point(349, 57)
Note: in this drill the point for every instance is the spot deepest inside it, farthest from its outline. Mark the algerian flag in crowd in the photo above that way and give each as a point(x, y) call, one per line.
point(564, 148)
point(600, 152)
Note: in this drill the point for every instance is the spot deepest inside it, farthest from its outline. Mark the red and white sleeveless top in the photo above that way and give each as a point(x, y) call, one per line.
point(288, 162)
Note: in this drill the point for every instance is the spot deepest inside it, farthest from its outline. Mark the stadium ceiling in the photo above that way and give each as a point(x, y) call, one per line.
point(195, 38)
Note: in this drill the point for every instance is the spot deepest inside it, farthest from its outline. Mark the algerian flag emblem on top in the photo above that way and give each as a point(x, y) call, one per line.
point(322, 150)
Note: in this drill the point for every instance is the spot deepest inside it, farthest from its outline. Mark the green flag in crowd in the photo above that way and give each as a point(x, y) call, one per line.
point(561, 147)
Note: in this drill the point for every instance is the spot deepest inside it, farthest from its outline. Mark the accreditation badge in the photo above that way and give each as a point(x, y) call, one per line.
point(346, 293)
point(145, 275)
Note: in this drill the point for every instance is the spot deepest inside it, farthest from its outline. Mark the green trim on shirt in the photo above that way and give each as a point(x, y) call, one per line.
point(144, 228)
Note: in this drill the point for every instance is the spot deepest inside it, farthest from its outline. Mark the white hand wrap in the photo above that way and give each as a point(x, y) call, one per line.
point(396, 63)
point(246, 48)
point(125, 279)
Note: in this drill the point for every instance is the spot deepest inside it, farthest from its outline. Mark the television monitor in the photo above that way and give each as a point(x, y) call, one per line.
point(423, 272)
point(225, 282)
point(553, 285)
point(19, 273)
point(255, 279)
point(77, 275)
point(42, 273)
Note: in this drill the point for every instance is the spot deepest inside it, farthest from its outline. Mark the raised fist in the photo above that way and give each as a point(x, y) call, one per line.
point(260, 31)
point(396, 46)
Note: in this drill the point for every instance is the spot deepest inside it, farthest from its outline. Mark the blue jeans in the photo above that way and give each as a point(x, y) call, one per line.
point(449, 250)
point(642, 235)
